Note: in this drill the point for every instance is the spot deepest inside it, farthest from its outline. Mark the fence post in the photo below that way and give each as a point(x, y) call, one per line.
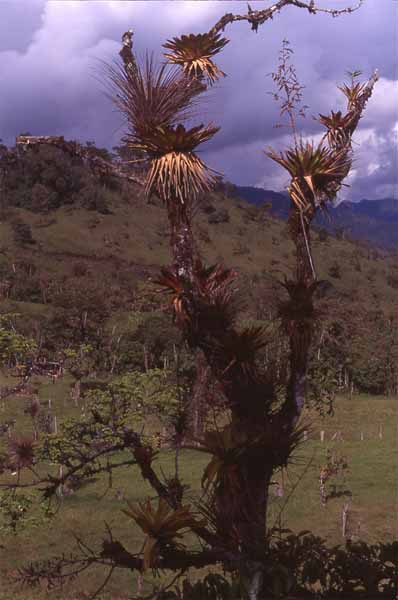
point(139, 585)
point(322, 488)
point(60, 489)
point(344, 519)
point(322, 435)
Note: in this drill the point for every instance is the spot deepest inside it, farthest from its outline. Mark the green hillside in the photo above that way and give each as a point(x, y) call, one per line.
point(78, 256)
point(72, 239)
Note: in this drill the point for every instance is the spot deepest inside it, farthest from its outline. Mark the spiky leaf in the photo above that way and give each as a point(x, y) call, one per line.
point(193, 53)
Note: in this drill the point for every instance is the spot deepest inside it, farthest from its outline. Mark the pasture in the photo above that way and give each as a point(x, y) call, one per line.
point(363, 430)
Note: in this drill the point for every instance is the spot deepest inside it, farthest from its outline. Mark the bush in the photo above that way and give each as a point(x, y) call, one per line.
point(335, 271)
point(207, 208)
point(22, 232)
point(42, 198)
point(219, 216)
point(323, 235)
point(27, 290)
point(79, 269)
point(392, 280)
point(302, 566)
point(94, 198)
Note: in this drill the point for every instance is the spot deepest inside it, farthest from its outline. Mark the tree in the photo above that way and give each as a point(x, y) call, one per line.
point(260, 439)
point(16, 352)
point(263, 431)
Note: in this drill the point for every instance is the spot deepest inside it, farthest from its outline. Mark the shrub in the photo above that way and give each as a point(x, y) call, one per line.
point(335, 271)
point(22, 232)
point(219, 216)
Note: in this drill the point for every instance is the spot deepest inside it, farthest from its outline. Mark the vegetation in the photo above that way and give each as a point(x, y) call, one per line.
point(55, 282)
point(370, 480)
point(238, 387)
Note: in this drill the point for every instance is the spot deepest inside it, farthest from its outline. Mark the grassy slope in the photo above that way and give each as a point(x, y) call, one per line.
point(135, 238)
point(371, 480)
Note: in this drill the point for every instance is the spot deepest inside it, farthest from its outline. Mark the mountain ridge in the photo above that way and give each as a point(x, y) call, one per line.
point(375, 221)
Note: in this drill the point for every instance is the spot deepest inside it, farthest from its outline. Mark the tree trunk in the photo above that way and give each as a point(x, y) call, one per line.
point(252, 525)
point(243, 499)
point(196, 407)
point(185, 253)
point(302, 313)
point(182, 241)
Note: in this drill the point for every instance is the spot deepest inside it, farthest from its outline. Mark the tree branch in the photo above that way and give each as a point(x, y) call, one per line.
point(174, 560)
point(258, 17)
point(148, 473)
point(127, 51)
point(357, 111)
point(300, 340)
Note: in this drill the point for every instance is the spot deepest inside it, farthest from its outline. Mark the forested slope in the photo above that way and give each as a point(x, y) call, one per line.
point(77, 250)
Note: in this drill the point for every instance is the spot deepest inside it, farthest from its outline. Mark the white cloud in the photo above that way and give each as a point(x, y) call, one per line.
point(372, 168)
point(383, 104)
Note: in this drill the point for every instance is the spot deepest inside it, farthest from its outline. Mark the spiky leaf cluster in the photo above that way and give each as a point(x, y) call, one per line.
point(213, 297)
point(193, 53)
point(21, 452)
point(163, 527)
point(155, 101)
point(341, 127)
point(152, 96)
point(272, 446)
point(316, 172)
point(353, 94)
point(176, 171)
point(338, 127)
point(238, 351)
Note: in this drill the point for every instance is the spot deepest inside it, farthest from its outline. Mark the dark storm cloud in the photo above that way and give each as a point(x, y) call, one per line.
point(50, 76)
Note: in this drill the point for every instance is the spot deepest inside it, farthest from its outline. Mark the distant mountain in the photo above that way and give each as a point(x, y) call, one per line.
point(372, 220)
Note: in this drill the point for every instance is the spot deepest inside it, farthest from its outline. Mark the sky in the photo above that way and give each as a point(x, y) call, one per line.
point(52, 82)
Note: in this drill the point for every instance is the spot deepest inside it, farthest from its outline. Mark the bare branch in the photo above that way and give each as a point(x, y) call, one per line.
point(258, 17)
point(115, 555)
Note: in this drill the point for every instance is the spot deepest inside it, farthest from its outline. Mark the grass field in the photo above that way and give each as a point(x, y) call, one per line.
point(372, 481)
